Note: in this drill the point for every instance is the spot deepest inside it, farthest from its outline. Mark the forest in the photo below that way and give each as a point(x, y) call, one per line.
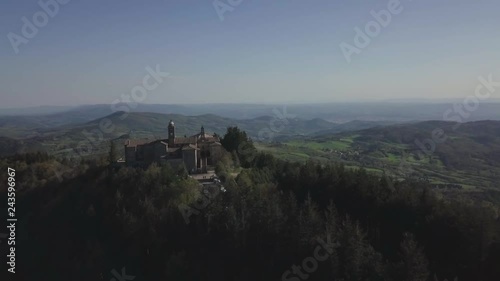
point(277, 220)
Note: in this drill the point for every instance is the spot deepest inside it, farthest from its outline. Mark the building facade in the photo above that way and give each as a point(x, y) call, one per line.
point(196, 152)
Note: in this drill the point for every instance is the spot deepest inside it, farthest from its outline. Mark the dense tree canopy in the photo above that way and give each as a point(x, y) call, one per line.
point(238, 143)
point(267, 225)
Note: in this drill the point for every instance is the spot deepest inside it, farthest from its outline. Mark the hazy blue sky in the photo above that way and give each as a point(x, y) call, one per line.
point(263, 51)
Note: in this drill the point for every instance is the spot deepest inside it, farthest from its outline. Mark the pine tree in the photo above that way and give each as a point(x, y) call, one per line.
point(112, 153)
point(415, 263)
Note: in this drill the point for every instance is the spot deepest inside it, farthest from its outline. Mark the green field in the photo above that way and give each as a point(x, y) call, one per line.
point(319, 145)
point(396, 159)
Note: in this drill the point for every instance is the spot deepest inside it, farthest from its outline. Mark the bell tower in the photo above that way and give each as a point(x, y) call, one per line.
point(171, 133)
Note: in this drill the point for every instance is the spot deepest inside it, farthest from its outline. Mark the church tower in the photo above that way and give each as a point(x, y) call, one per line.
point(171, 133)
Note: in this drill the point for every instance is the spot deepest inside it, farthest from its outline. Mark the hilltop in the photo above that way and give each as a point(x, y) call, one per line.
point(69, 134)
point(469, 155)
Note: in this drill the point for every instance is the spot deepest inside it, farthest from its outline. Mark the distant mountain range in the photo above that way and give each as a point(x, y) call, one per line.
point(62, 133)
point(393, 111)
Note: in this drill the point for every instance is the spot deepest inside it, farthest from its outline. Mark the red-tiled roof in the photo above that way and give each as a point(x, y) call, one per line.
point(136, 142)
point(185, 140)
point(178, 141)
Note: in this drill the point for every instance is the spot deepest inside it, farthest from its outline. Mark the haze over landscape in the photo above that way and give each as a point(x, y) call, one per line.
point(285, 51)
point(240, 140)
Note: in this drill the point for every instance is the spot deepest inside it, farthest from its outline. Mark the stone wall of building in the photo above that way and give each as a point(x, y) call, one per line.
point(195, 152)
point(190, 160)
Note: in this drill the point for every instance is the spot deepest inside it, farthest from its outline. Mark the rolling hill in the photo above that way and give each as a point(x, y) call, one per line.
point(27, 122)
point(64, 138)
point(469, 154)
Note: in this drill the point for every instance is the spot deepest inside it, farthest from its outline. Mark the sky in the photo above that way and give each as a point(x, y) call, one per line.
point(249, 51)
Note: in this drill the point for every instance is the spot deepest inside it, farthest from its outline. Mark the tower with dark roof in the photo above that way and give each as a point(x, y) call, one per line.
point(202, 134)
point(196, 152)
point(171, 133)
